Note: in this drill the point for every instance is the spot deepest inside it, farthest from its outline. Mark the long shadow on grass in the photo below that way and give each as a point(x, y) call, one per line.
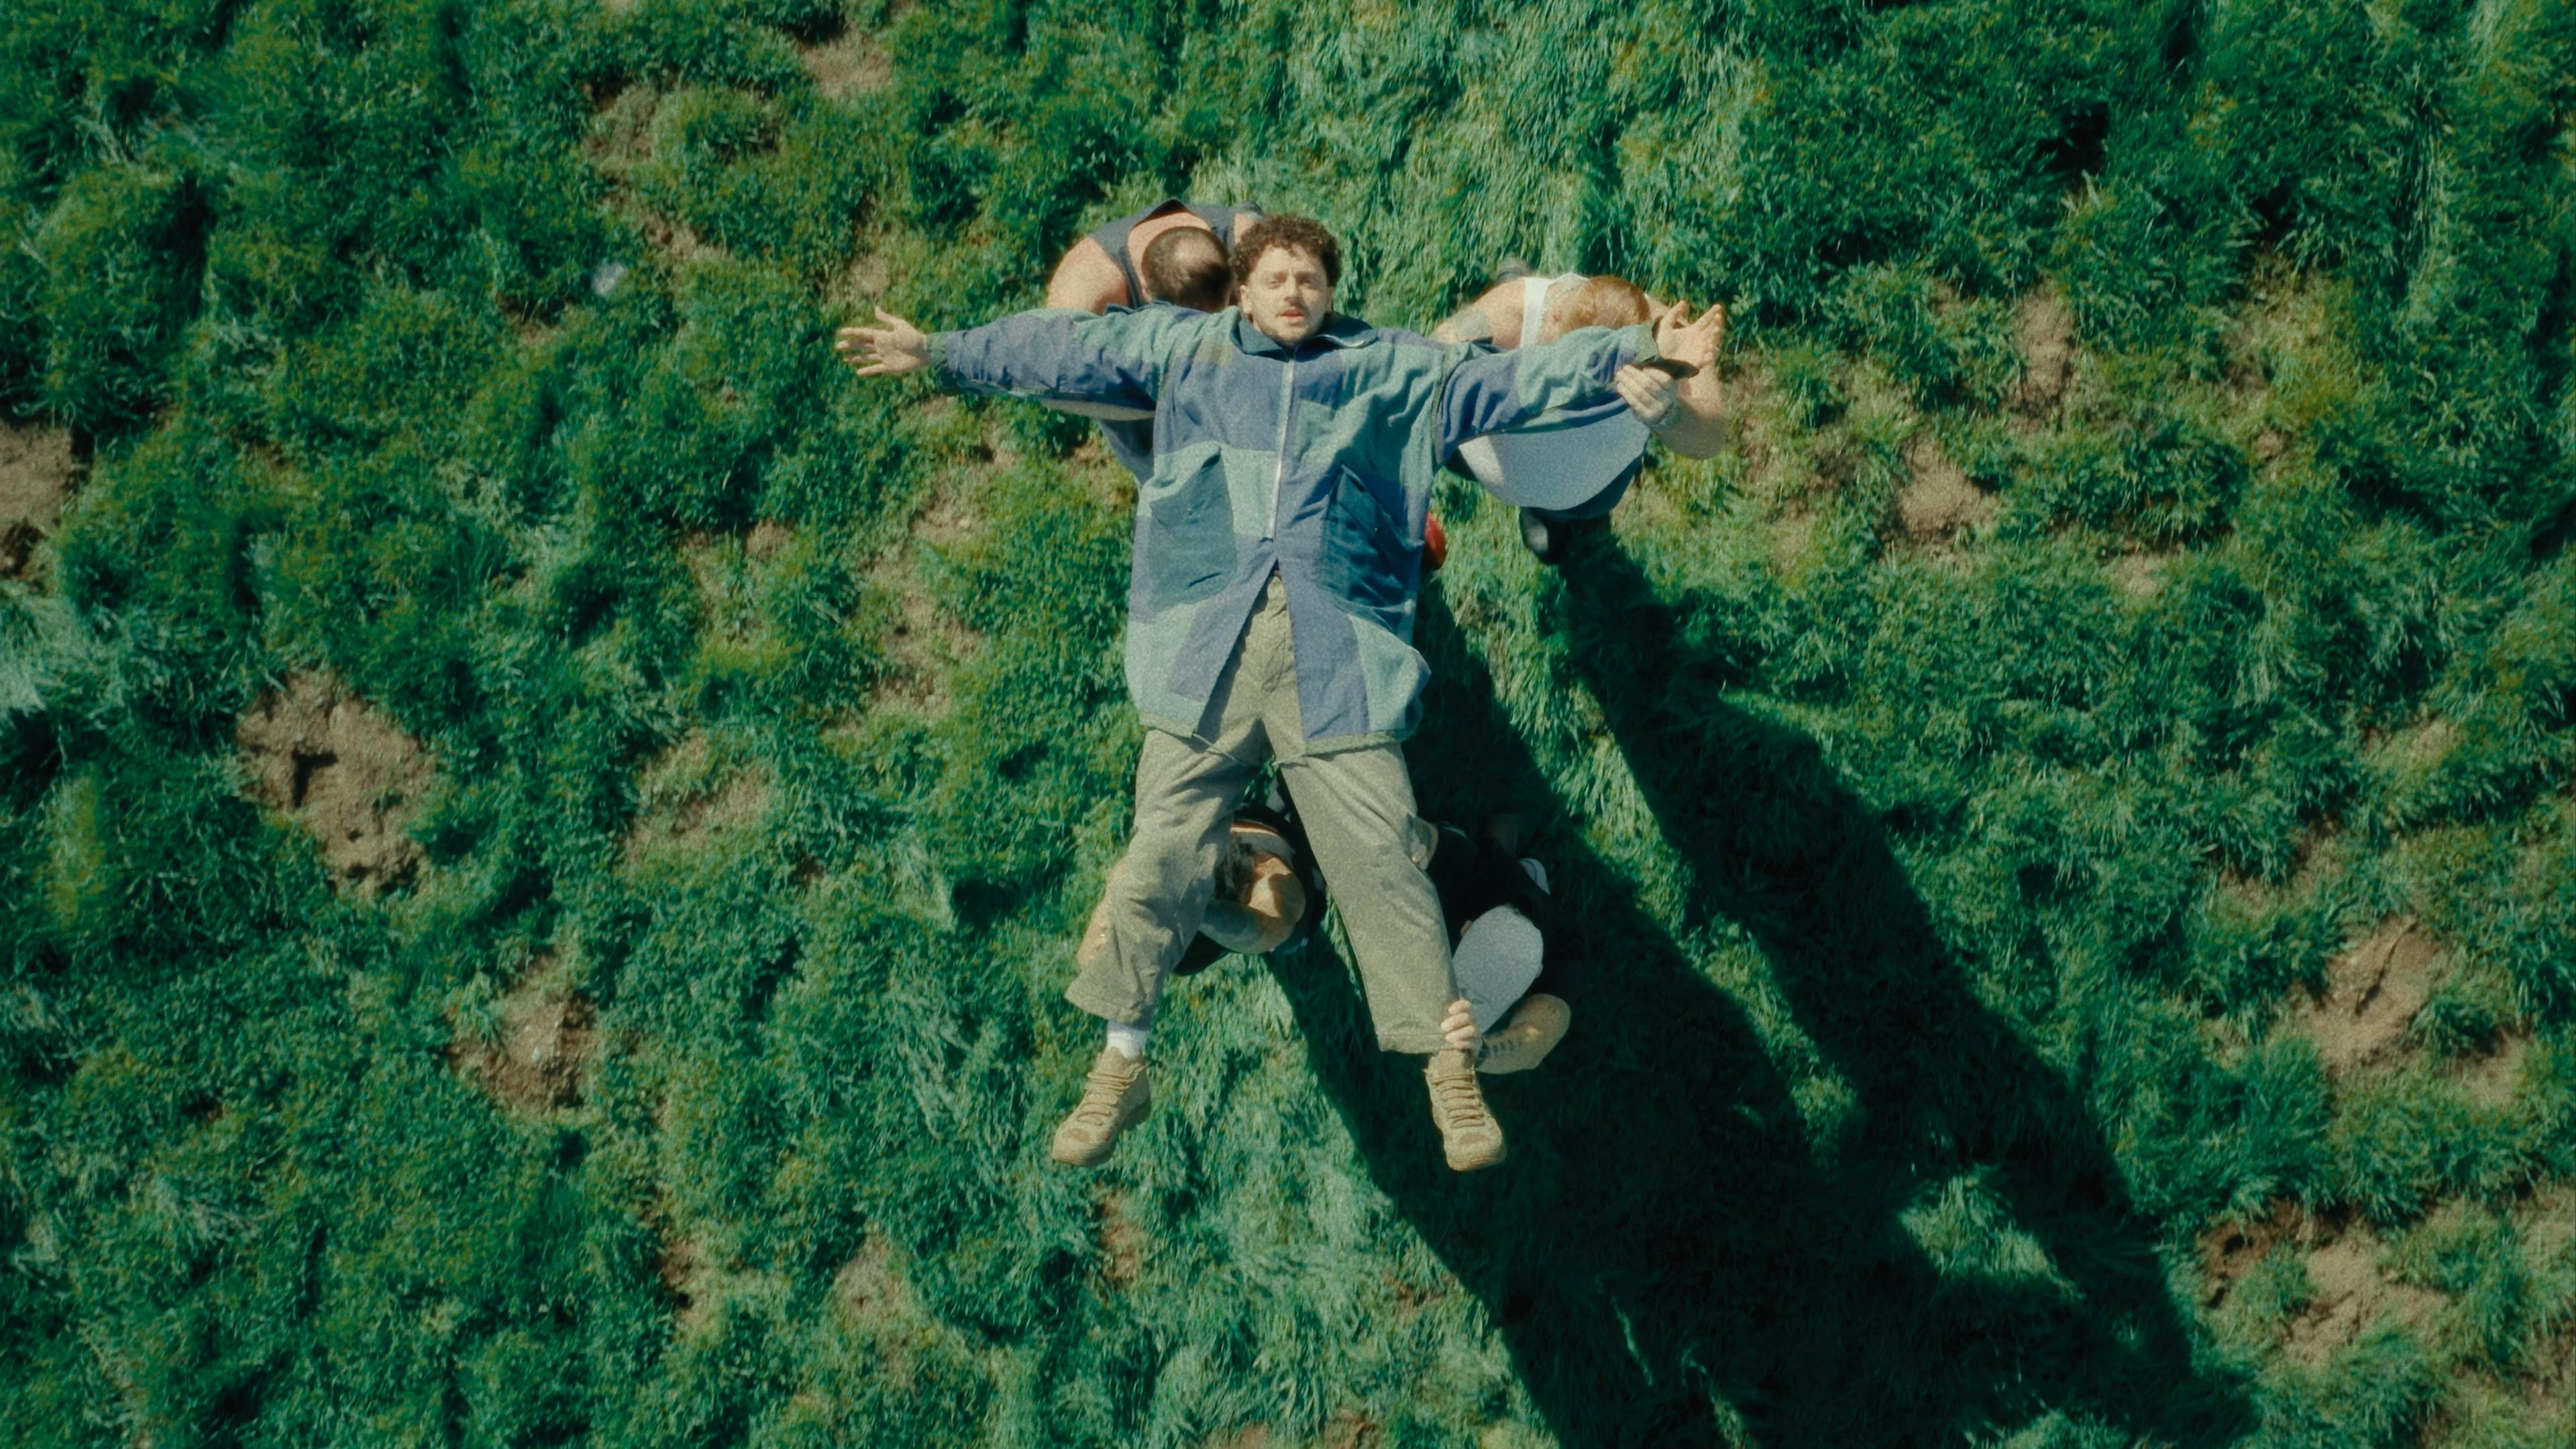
point(1668, 1252)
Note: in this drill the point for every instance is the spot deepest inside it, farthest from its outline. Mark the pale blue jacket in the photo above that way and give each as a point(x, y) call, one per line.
point(1315, 462)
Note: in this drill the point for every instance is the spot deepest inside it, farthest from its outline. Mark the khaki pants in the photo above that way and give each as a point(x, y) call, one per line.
point(1357, 807)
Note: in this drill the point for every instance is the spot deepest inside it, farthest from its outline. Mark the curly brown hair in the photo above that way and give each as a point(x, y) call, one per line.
point(1303, 233)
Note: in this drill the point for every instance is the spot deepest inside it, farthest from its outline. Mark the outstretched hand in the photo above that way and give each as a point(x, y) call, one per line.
point(1459, 1027)
point(1695, 342)
point(897, 347)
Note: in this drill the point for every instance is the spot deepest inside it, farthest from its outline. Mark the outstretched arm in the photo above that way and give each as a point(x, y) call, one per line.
point(1088, 280)
point(1045, 355)
point(1563, 383)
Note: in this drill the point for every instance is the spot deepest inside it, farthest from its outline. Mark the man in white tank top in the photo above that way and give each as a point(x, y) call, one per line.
point(1688, 414)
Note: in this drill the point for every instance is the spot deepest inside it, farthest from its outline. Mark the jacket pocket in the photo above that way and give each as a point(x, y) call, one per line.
point(1189, 549)
point(1367, 560)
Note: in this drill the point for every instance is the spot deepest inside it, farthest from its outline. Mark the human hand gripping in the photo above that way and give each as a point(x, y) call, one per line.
point(897, 347)
point(1655, 395)
point(1650, 393)
point(1459, 1027)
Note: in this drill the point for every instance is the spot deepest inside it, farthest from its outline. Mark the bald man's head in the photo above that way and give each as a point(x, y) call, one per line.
point(1187, 267)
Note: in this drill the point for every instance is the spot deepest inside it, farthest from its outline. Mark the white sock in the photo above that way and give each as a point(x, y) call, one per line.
point(1129, 1037)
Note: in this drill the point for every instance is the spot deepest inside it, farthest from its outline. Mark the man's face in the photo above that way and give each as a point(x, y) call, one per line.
point(1285, 295)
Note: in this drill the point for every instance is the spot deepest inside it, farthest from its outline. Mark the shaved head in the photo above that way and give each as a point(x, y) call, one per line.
point(1187, 267)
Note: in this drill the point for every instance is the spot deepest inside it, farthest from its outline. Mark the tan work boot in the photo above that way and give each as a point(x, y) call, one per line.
point(1524, 1040)
point(1115, 1097)
point(1469, 1136)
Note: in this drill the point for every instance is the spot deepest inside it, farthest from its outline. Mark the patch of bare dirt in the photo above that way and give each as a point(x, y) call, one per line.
point(37, 469)
point(1411, 1298)
point(2044, 333)
point(1109, 481)
point(1351, 1429)
point(948, 521)
point(871, 274)
point(546, 1039)
point(620, 146)
point(997, 447)
point(873, 1298)
point(683, 1269)
point(870, 1288)
point(675, 239)
point(687, 797)
point(2547, 1223)
point(1122, 1242)
point(2139, 575)
point(345, 772)
point(2426, 742)
point(1792, 535)
point(621, 133)
point(2229, 1251)
point(2348, 1289)
point(849, 66)
point(1938, 498)
point(2372, 992)
point(922, 643)
point(2492, 1077)
point(2349, 1294)
point(2553, 1375)
point(1752, 410)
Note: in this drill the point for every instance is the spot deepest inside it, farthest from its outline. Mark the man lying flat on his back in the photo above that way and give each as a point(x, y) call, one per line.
point(1174, 251)
point(1270, 611)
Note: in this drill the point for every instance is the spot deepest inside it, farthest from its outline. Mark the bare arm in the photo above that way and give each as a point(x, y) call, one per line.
point(1689, 415)
point(1493, 318)
point(1087, 280)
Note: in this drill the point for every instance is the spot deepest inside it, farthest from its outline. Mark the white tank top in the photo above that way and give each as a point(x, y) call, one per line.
point(1534, 292)
point(1478, 453)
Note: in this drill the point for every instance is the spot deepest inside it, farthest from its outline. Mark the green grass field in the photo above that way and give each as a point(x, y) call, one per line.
point(542, 823)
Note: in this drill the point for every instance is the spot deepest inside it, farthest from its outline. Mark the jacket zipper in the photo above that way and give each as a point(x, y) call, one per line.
point(1279, 467)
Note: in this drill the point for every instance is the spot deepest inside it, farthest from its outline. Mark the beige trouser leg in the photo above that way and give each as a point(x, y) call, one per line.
point(1358, 810)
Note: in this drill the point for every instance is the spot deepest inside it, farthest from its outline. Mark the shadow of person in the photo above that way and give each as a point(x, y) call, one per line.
point(1685, 1247)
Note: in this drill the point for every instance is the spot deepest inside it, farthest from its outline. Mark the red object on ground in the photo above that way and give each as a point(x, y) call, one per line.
point(1435, 544)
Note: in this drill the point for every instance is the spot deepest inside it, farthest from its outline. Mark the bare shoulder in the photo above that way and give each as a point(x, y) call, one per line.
point(1088, 278)
point(1493, 317)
